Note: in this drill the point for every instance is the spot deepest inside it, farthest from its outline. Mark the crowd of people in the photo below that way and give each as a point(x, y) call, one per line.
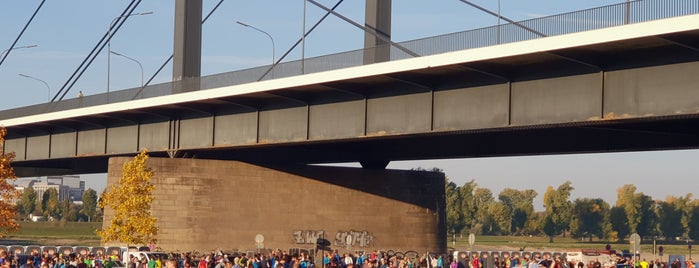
point(282, 259)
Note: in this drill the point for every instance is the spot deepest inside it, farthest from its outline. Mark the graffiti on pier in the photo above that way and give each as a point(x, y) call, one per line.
point(342, 238)
point(353, 238)
point(307, 236)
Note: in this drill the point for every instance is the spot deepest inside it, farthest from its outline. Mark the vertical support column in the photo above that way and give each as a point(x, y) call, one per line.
point(186, 68)
point(377, 17)
point(193, 200)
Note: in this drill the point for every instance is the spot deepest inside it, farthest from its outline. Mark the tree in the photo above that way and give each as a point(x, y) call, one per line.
point(670, 215)
point(647, 226)
point(27, 203)
point(482, 199)
point(629, 200)
point(619, 222)
point(548, 226)
point(559, 210)
point(694, 223)
point(71, 213)
point(455, 217)
point(520, 205)
point(468, 205)
point(50, 203)
point(89, 204)
point(8, 193)
point(591, 218)
point(130, 200)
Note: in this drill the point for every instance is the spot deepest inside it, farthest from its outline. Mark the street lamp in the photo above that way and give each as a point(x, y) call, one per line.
point(13, 48)
point(134, 60)
point(109, 40)
point(6, 50)
point(48, 99)
point(259, 30)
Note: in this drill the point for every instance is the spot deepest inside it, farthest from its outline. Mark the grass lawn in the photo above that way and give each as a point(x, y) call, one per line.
point(83, 234)
point(54, 233)
point(540, 243)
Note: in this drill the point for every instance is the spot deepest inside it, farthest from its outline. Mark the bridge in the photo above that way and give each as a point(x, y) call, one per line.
point(621, 88)
point(555, 85)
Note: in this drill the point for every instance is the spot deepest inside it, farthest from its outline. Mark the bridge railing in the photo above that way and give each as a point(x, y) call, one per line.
point(578, 21)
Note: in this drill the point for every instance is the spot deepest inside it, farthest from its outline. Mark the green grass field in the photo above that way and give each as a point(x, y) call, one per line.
point(83, 233)
point(54, 233)
point(540, 243)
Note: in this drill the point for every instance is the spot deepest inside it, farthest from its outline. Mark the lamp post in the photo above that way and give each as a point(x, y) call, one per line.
point(259, 30)
point(48, 95)
point(134, 60)
point(109, 40)
point(8, 50)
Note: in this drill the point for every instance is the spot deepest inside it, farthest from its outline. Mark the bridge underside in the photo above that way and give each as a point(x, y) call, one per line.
point(679, 132)
point(630, 95)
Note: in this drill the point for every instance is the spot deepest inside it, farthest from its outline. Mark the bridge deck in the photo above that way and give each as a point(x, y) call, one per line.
point(630, 87)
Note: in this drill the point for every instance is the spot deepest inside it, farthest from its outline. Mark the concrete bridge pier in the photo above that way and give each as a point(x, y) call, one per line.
point(214, 204)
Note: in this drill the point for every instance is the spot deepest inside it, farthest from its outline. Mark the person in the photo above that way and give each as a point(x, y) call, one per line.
point(676, 264)
point(171, 263)
point(644, 263)
point(204, 262)
point(151, 263)
point(475, 262)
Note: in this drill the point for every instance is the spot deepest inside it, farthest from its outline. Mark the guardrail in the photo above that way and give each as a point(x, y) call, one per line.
point(64, 250)
point(578, 21)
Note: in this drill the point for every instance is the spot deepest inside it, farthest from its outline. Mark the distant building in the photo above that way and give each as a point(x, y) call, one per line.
point(68, 187)
point(76, 187)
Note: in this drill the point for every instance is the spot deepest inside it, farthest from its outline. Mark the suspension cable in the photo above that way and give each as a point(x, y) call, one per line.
point(21, 32)
point(96, 50)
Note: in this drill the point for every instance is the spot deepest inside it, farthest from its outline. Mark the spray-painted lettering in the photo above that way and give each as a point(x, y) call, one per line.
point(353, 238)
point(307, 236)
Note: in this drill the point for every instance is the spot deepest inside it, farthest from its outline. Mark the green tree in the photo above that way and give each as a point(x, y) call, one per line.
point(670, 218)
point(500, 218)
point(27, 203)
point(72, 213)
point(559, 210)
point(591, 217)
point(130, 200)
point(647, 225)
point(455, 217)
point(64, 207)
point(468, 205)
point(51, 205)
point(483, 198)
point(520, 205)
point(619, 222)
point(8, 193)
point(628, 199)
point(90, 204)
point(694, 223)
point(548, 226)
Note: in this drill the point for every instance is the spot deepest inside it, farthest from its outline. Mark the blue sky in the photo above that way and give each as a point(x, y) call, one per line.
point(65, 31)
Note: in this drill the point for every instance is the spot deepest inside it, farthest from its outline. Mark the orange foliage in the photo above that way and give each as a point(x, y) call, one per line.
point(8, 193)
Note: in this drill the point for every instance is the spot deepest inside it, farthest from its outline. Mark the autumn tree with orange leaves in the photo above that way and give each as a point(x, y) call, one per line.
point(8, 193)
point(130, 199)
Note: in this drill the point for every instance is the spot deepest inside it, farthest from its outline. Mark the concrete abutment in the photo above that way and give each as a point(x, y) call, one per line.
point(213, 204)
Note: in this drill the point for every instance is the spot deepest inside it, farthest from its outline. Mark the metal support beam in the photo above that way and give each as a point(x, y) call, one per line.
point(378, 18)
point(187, 48)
